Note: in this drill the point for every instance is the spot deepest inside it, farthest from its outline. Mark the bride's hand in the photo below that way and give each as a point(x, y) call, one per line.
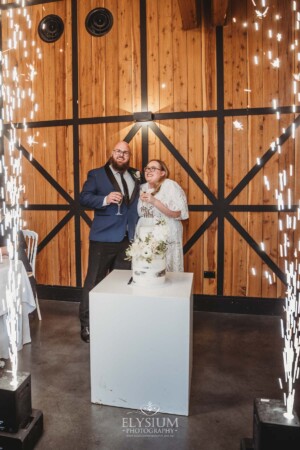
point(147, 197)
point(144, 196)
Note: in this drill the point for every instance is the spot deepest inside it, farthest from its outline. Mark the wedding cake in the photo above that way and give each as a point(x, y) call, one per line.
point(148, 255)
point(149, 273)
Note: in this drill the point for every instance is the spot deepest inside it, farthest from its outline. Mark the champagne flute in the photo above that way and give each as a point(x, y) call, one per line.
point(144, 208)
point(119, 207)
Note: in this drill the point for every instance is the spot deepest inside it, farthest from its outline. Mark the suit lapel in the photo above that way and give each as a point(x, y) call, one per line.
point(111, 177)
point(116, 186)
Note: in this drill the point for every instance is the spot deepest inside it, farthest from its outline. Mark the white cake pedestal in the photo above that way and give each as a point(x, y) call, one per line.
point(141, 343)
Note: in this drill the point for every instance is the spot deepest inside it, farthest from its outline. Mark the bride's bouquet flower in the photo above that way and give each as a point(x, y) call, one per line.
point(154, 243)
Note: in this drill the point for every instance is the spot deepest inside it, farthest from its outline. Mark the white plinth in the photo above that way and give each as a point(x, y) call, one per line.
point(141, 343)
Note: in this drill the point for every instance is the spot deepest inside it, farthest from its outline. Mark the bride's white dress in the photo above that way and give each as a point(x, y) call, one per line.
point(173, 197)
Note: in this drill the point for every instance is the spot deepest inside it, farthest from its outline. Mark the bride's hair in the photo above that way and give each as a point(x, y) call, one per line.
point(166, 175)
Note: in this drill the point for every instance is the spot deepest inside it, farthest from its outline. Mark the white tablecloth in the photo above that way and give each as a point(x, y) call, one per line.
point(27, 306)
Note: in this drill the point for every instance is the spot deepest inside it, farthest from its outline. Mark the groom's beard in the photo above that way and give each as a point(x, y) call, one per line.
point(119, 166)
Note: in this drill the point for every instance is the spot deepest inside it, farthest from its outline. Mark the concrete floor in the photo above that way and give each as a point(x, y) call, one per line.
point(237, 358)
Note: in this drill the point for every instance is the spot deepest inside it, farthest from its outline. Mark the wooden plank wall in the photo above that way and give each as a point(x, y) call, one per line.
point(183, 86)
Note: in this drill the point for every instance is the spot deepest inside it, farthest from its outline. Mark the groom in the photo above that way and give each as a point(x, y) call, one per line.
point(110, 233)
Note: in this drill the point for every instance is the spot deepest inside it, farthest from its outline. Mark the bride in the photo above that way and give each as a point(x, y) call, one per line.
point(162, 198)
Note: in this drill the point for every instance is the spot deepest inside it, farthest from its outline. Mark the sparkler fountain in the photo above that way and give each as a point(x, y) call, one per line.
point(12, 99)
point(12, 219)
point(275, 424)
point(15, 387)
point(290, 326)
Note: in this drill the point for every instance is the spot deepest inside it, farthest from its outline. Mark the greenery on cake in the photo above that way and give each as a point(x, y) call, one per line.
point(153, 244)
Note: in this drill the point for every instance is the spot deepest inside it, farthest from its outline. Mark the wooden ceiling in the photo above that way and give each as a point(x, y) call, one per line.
point(189, 10)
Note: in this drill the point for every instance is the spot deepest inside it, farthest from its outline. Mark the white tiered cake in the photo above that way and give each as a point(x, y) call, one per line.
point(149, 274)
point(148, 271)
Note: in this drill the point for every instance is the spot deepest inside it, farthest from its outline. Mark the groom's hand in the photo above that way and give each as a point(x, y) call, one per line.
point(114, 197)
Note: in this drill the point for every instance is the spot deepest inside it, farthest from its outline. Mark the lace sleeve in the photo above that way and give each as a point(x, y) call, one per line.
point(174, 198)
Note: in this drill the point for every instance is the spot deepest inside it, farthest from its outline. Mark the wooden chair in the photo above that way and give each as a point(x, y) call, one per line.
point(31, 238)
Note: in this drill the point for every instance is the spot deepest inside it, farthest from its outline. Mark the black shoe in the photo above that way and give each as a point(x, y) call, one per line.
point(85, 334)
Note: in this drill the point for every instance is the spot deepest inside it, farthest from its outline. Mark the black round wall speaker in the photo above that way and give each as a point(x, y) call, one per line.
point(99, 21)
point(51, 28)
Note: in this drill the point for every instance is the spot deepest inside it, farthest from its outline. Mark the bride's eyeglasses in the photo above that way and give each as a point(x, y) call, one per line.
point(151, 169)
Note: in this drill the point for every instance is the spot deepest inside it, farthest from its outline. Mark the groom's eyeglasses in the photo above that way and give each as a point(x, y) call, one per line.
point(151, 169)
point(124, 153)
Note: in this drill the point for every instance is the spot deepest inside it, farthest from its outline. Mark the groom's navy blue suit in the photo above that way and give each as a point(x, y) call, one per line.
point(110, 233)
point(106, 226)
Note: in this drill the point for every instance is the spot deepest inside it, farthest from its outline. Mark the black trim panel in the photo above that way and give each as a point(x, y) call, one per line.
point(239, 305)
point(211, 303)
point(59, 293)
